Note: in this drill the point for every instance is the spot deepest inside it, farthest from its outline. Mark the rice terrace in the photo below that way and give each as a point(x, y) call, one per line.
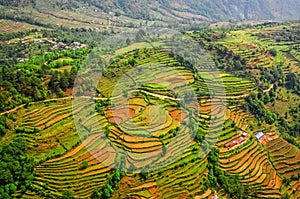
point(121, 111)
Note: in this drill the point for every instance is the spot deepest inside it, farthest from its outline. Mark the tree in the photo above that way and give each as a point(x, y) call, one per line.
point(85, 164)
point(67, 195)
point(3, 125)
point(204, 146)
point(267, 99)
point(188, 96)
point(128, 42)
point(273, 52)
point(107, 191)
point(132, 61)
point(64, 81)
point(285, 196)
point(117, 176)
point(140, 35)
point(286, 181)
point(60, 93)
point(2, 130)
point(54, 82)
point(97, 194)
point(37, 95)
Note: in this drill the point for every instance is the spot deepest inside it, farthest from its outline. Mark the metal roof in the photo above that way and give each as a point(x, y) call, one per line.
point(259, 134)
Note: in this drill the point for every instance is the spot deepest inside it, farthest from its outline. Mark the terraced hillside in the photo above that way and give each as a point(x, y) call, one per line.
point(255, 46)
point(284, 156)
point(147, 126)
point(130, 124)
point(103, 15)
point(250, 162)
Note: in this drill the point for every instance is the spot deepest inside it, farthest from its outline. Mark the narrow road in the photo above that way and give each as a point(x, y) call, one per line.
point(271, 87)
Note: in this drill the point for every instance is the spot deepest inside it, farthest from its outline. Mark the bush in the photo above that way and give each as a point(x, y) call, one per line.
point(273, 52)
point(67, 195)
point(85, 164)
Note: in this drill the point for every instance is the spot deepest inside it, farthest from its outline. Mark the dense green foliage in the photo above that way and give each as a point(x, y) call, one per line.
point(100, 104)
point(4, 125)
point(293, 82)
point(16, 169)
point(15, 3)
point(107, 190)
point(256, 107)
point(22, 82)
point(276, 76)
point(67, 195)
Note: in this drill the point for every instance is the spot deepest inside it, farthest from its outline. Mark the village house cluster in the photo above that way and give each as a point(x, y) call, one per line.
point(63, 46)
point(57, 44)
point(260, 136)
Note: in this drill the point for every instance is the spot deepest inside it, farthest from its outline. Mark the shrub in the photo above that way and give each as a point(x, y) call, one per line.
point(273, 52)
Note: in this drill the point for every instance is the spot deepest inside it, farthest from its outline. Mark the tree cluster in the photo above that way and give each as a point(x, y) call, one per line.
point(3, 125)
point(256, 107)
point(23, 82)
point(16, 3)
point(107, 190)
point(16, 169)
point(100, 104)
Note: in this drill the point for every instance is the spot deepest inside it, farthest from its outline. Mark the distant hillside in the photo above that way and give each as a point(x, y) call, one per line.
point(246, 9)
point(207, 9)
point(16, 3)
point(133, 13)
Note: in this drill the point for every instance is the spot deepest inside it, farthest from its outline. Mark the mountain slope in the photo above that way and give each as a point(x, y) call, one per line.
point(246, 9)
point(133, 13)
point(214, 10)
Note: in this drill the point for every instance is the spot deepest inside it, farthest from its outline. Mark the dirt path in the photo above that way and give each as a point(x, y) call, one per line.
point(271, 87)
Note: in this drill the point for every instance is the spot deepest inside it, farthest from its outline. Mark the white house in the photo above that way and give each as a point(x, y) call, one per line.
point(259, 135)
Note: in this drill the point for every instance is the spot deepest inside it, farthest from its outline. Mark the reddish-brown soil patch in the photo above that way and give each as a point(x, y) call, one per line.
point(69, 92)
point(116, 120)
point(265, 139)
point(178, 115)
point(205, 108)
point(176, 80)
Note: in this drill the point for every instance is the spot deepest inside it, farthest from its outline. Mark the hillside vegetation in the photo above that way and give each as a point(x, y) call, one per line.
point(86, 112)
point(119, 14)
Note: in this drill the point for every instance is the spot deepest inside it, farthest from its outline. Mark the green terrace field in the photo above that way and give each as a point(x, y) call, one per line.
point(154, 120)
point(255, 45)
point(65, 171)
point(8, 26)
point(235, 87)
point(146, 121)
point(216, 82)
